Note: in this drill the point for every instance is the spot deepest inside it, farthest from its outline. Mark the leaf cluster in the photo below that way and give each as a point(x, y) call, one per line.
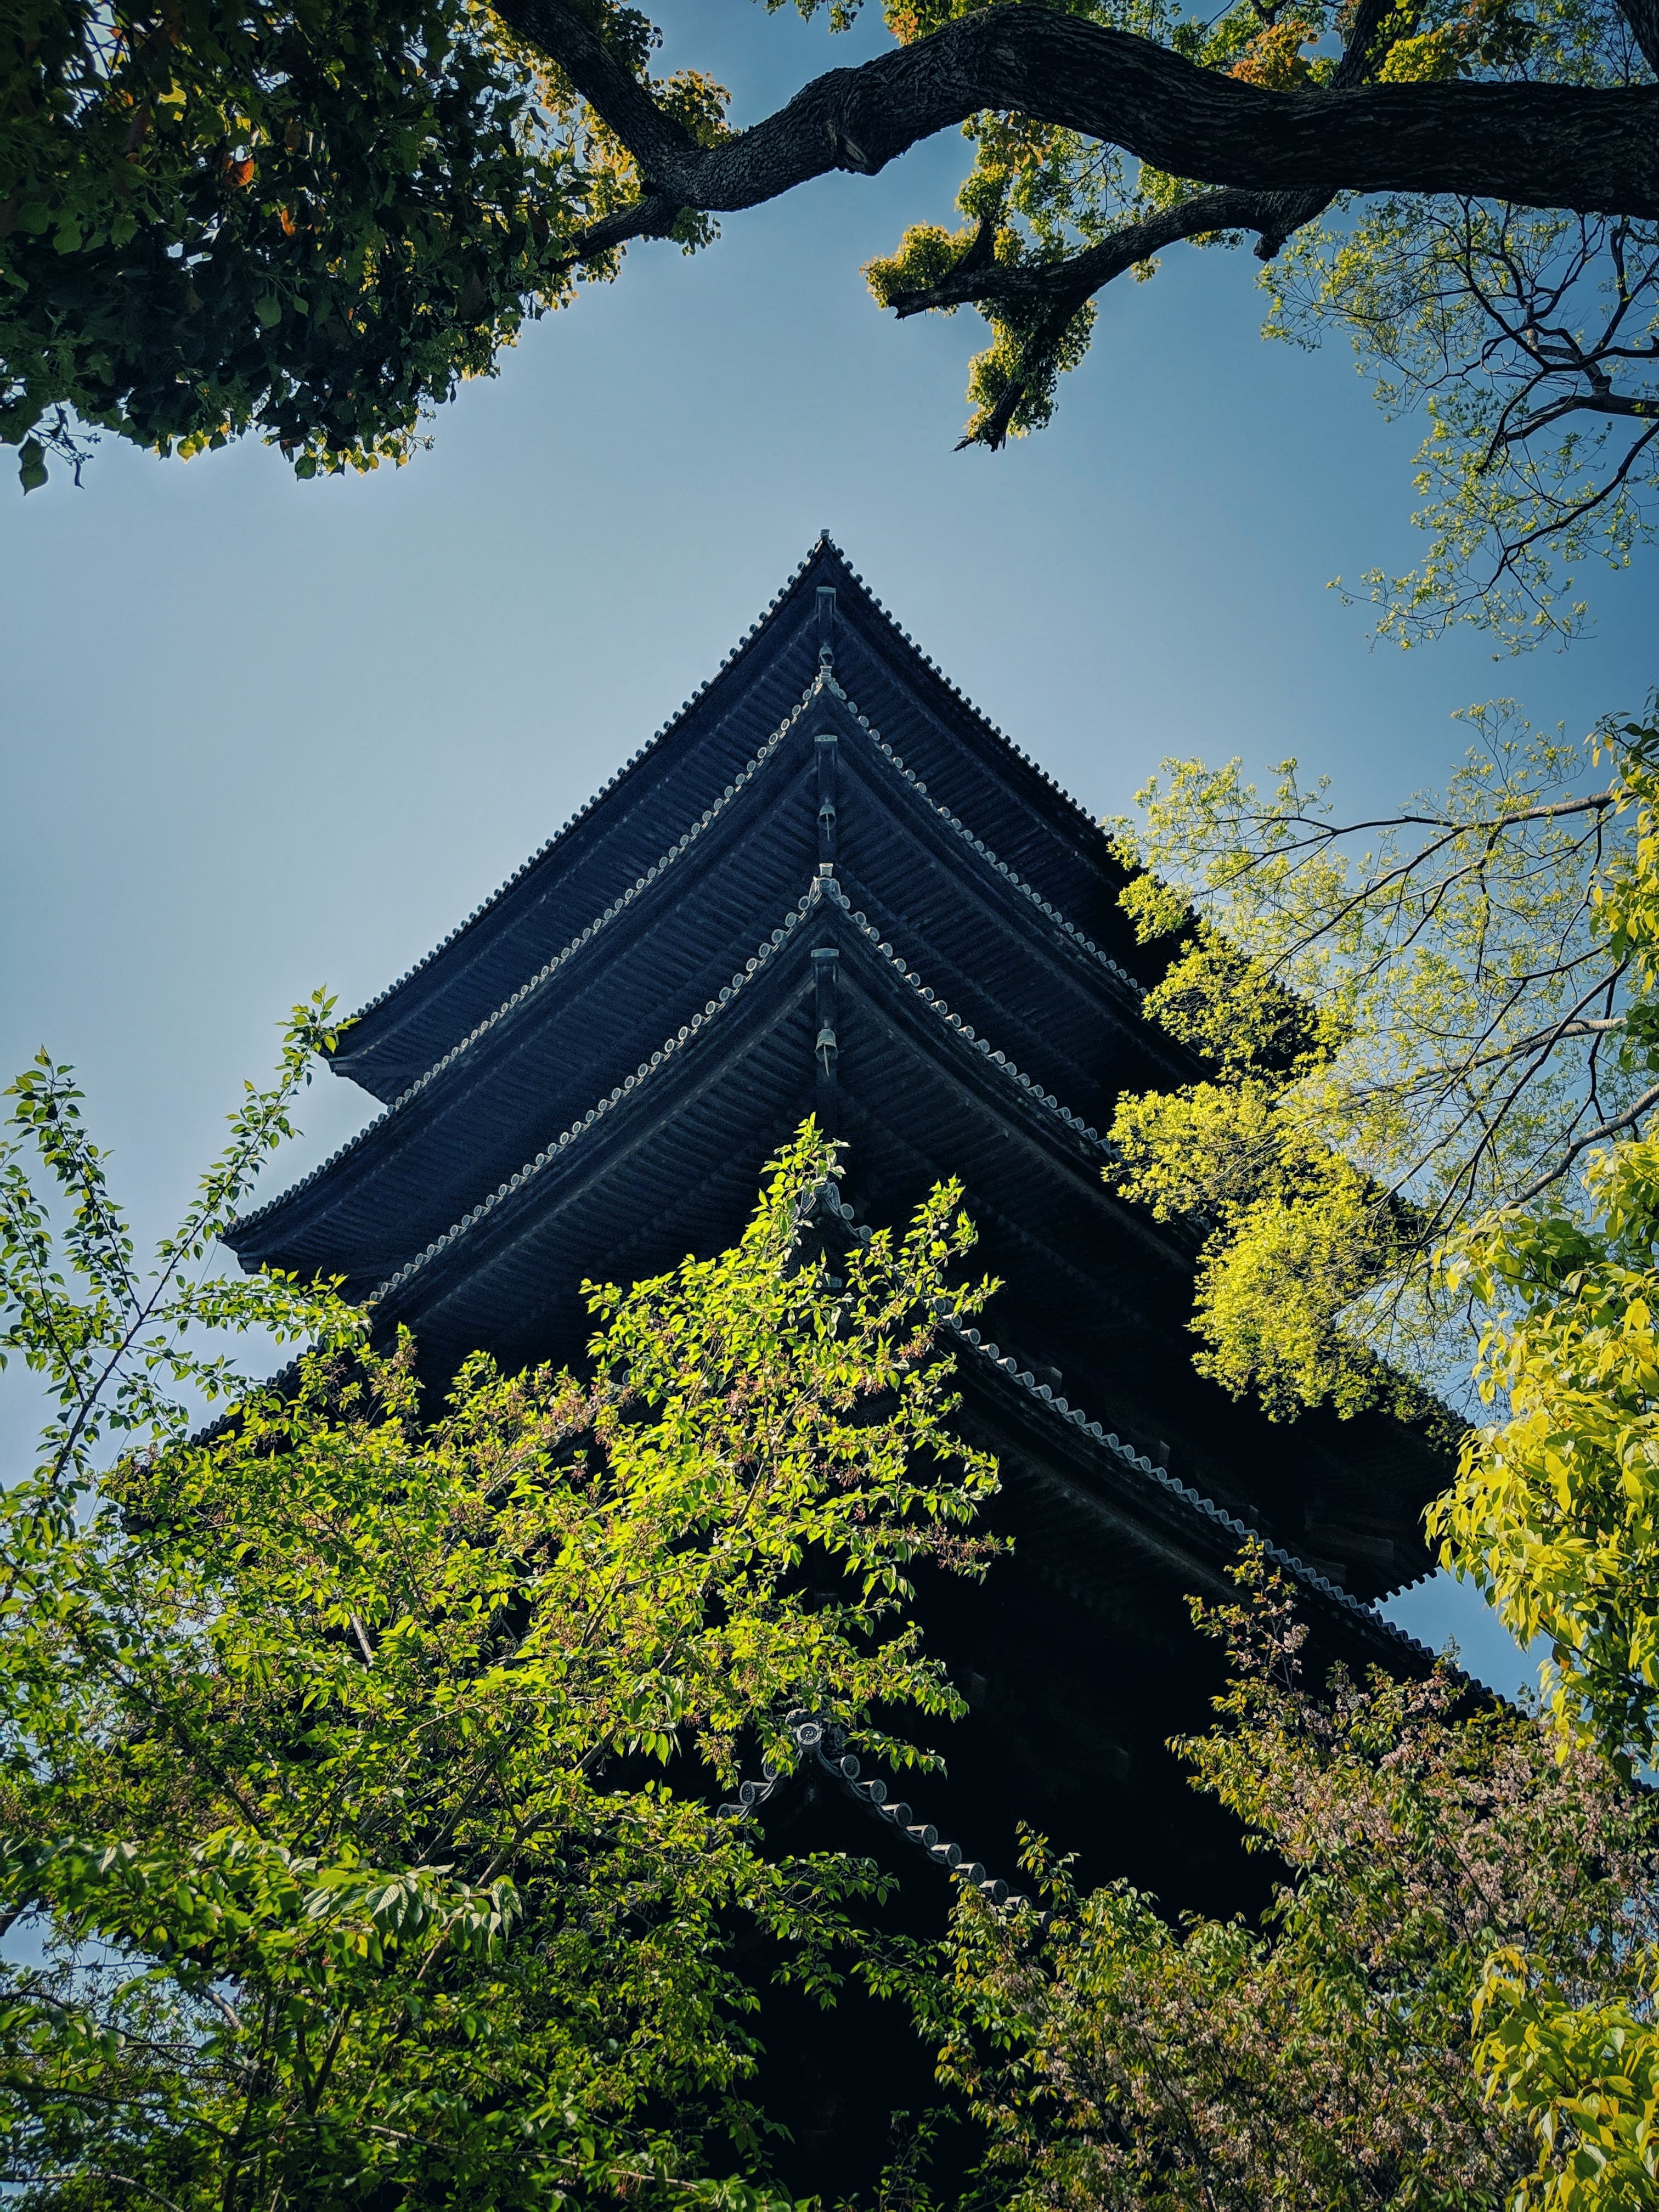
point(1555, 1513)
point(1529, 336)
point(310, 222)
point(1408, 1022)
point(361, 1761)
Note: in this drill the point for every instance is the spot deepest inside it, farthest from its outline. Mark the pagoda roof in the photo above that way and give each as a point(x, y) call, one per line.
point(654, 1166)
point(828, 885)
point(1008, 957)
point(592, 864)
point(1099, 1493)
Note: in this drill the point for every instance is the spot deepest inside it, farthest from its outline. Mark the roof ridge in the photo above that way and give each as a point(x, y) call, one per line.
point(1075, 1122)
point(819, 887)
point(955, 691)
point(1195, 1499)
point(584, 937)
point(822, 543)
point(582, 813)
point(822, 680)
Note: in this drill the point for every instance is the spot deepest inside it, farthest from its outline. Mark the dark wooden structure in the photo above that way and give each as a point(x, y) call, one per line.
point(830, 884)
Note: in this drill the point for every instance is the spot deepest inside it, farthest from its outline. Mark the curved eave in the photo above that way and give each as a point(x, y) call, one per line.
point(1061, 1004)
point(1110, 1481)
point(588, 863)
point(543, 1052)
point(1172, 1522)
point(1064, 1005)
point(978, 773)
point(663, 1163)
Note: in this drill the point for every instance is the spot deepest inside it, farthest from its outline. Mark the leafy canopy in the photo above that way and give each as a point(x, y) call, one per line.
point(1530, 336)
point(1406, 1023)
point(361, 1761)
point(310, 222)
point(1555, 1514)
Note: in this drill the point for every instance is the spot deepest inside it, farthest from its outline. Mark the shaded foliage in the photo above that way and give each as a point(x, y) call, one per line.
point(1330, 2057)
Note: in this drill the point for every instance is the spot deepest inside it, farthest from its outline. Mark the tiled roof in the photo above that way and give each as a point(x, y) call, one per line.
point(545, 975)
point(821, 888)
point(590, 806)
point(380, 1053)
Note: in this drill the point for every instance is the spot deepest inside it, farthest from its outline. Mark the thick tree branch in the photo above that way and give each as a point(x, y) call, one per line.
point(977, 278)
point(1556, 146)
point(1642, 16)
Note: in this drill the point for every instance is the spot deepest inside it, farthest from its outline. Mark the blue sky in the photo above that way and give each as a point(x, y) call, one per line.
point(260, 735)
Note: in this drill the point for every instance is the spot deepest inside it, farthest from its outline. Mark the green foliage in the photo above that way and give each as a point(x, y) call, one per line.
point(1295, 1236)
point(308, 222)
point(1555, 1514)
point(359, 1760)
point(1530, 338)
point(1586, 2076)
point(1328, 2058)
point(1477, 988)
point(312, 223)
point(1411, 1022)
point(115, 1344)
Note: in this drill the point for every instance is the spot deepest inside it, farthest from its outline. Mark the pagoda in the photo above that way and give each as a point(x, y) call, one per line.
point(829, 885)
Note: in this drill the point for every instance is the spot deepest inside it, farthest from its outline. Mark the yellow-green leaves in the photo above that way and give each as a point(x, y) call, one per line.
point(1408, 1022)
point(1555, 1513)
point(132, 1348)
point(361, 1765)
point(1587, 2079)
point(1295, 1236)
point(1526, 337)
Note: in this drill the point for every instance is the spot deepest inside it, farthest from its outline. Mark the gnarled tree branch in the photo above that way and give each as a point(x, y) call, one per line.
point(1642, 16)
point(1534, 145)
point(989, 283)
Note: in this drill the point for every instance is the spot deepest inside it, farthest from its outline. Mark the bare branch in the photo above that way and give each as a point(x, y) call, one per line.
point(1628, 1119)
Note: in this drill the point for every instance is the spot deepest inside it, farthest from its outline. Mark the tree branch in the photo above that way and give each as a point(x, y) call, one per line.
point(1615, 1127)
point(1642, 16)
point(1555, 146)
point(978, 281)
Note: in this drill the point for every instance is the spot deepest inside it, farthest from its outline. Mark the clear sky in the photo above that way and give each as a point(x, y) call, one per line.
point(259, 735)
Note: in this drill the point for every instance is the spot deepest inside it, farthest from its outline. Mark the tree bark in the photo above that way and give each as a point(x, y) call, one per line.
point(1593, 151)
